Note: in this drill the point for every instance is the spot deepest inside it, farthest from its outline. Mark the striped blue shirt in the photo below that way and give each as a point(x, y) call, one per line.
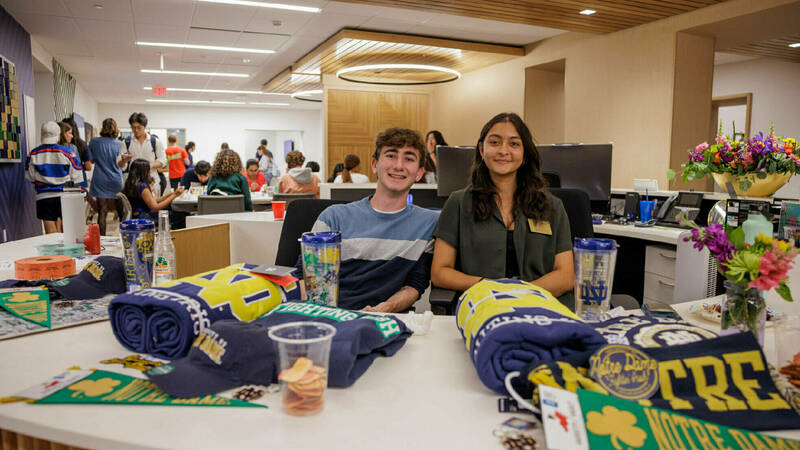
point(50, 166)
point(381, 252)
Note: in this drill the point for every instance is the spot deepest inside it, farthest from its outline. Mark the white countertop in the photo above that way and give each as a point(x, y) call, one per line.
point(706, 195)
point(427, 396)
point(666, 235)
point(255, 197)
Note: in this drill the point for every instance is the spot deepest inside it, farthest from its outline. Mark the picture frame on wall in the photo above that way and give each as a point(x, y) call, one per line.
point(11, 123)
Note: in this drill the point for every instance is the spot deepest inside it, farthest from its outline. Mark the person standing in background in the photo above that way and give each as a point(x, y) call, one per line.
point(259, 155)
point(178, 161)
point(350, 174)
point(107, 178)
point(189, 150)
point(146, 146)
point(79, 145)
point(50, 166)
point(432, 139)
point(267, 166)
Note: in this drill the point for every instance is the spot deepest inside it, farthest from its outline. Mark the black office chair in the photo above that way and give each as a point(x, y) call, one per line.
point(553, 179)
point(578, 207)
point(300, 217)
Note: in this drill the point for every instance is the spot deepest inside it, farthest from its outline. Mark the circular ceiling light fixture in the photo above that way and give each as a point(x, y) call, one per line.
point(304, 95)
point(380, 70)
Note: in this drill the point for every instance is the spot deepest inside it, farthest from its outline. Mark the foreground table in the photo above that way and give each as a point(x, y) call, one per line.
point(426, 396)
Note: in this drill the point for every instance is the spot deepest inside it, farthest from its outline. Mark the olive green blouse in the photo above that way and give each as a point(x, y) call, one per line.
point(481, 246)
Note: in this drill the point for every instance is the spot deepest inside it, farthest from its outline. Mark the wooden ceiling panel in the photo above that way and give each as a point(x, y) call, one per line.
point(772, 48)
point(350, 48)
point(611, 15)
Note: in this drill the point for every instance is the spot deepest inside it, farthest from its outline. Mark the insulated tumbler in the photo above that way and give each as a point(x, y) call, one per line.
point(321, 257)
point(594, 275)
point(137, 248)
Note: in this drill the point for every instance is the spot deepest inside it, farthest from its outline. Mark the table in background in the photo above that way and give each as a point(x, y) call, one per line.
point(254, 235)
point(188, 203)
point(426, 396)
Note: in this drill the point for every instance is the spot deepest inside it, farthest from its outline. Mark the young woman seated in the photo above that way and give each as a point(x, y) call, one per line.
point(298, 179)
point(505, 224)
point(255, 178)
point(139, 190)
point(226, 177)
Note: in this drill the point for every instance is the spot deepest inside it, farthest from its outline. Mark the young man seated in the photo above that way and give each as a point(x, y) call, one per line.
point(197, 175)
point(386, 244)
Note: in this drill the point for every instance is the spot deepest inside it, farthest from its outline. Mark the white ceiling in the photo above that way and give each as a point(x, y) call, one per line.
point(97, 45)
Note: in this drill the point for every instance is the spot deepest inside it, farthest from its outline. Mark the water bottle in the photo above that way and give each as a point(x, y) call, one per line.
point(595, 260)
point(164, 258)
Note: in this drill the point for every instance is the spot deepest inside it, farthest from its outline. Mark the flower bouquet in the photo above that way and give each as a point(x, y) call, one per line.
point(749, 271)
point(744, 162)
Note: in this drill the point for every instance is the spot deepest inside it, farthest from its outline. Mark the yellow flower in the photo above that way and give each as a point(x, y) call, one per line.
point(764, 239)
point(782, 246)
point(94, 388)
point(618, 424)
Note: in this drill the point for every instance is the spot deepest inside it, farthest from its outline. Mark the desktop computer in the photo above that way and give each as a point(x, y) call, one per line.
point(581, 166)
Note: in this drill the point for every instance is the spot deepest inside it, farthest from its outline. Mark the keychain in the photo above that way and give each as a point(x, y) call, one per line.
point(515, 434)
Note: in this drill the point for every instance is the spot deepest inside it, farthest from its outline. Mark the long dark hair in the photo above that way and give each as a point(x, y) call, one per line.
point(437, 136)
point(337, 169)
point(530, 196)
point(139, 171)
point(79, 143)
point(350, 162)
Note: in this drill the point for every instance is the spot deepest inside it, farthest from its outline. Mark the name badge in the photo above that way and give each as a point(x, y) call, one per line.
point(542, 227)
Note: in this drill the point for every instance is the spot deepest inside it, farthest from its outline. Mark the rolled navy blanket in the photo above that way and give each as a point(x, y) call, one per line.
point(128, 325)
point(173, 313)
point(508, 324)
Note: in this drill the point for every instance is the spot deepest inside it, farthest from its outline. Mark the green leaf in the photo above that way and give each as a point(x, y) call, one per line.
point(737, 238)
point(670, 174)
point(761, 175)
point(784, 292)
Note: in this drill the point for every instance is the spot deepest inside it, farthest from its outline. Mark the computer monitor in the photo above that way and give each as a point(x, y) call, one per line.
point(453, 165)
point(581, 166)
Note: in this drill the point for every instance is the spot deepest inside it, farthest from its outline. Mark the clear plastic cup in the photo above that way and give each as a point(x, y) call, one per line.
point(321, 260)
point(595, 260)
point(787, 337)
point(303, 353)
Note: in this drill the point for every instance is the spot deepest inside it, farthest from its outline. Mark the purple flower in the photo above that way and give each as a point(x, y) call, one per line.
point(714, 238)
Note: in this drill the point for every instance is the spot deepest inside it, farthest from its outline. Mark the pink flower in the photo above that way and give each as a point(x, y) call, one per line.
point(721, 139)
point(701, 147)
point(773, 268)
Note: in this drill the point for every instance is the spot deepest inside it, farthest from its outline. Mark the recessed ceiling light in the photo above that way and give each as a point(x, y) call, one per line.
point(795, 45)
point(208, 74)
point(588, 12)
point(218, 102)
point(268, 104)
point(265, 5)
point(205, 47)
point(97, 6)
point(245, 60)
point(218, 91)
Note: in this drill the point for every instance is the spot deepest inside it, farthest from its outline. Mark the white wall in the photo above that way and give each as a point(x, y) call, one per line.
point(775, 86)
point(209, 126)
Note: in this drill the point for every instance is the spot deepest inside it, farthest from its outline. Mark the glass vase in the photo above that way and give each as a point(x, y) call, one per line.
point(743, 309)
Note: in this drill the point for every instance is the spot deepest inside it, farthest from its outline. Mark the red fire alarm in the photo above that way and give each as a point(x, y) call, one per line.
point(160, 91)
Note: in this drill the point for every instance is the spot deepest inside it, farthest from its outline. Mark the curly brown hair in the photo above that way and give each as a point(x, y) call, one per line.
point(530, 196)
point(226, 163)
point(294, 159)
point(399, 137)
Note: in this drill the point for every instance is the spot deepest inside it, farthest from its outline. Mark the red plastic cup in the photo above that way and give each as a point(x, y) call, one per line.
point(278, 208)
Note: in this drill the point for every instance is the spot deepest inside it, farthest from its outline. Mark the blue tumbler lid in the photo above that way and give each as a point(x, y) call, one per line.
point(137, 225)
point(595, 244)
point(321, 237)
